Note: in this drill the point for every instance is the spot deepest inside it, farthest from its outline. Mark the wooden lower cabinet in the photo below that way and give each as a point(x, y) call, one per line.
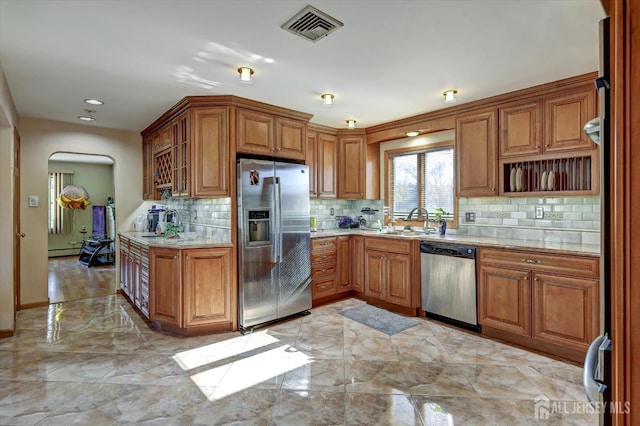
point(357, 263)
point(134, 273)
point(548, 302)
point(208, 291)
point(343, 276)
point(504, 300)
point(166, 289)
point(324, 256)
point(565, 310)
point(387, 271)
point(192, 291)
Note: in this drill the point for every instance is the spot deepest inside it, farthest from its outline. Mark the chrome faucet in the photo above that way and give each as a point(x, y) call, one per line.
point(176, 217)
point(419, 210)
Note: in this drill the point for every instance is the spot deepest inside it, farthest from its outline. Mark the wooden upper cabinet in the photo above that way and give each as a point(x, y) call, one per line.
point(148, 188)
point(180, 134)
point(476, 156)
point(351, 170)
point(265, 134)
point(358, 167)
point(326, 166)
point(565, 117)
point(290, 139)
point(209, 152)
point(255, 133)
point(311, 161)
point(520, 129)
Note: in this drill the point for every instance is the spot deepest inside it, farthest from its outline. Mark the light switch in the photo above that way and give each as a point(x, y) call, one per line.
point(33, 201)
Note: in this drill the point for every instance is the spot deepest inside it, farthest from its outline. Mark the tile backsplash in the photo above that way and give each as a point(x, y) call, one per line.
point(321, 209)
point(210, 217)
point(564, 219)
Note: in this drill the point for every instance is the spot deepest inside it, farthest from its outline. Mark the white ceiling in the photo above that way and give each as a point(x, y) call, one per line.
point(392, 58)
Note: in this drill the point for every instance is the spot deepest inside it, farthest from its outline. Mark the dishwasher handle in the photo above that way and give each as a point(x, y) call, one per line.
point(451, 250)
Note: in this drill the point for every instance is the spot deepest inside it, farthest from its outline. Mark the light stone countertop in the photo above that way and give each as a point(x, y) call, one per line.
point(536, 245)
point(186, 240)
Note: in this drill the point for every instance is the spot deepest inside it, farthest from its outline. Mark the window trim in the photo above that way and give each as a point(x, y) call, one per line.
point(388, 155)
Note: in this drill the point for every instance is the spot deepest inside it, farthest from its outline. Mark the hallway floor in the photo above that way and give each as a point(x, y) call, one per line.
point(95, 361)
point(68, 279)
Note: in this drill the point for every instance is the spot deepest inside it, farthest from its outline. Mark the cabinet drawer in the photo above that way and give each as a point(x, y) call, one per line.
point(388, 244)
point(323, 257)
point(560, 263)
point(324, 287)
point(323, 244)
point(323, 269)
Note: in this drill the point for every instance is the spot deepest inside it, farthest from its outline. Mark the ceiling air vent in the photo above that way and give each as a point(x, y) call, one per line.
point(311, 24)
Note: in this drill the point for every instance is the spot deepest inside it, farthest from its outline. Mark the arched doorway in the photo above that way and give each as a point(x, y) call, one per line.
point(68, 229)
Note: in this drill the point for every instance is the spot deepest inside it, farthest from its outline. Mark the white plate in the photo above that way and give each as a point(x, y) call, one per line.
point(518, 184)
point(543, 181)
point(523, 181)
point(512, 179)
point(551, 181)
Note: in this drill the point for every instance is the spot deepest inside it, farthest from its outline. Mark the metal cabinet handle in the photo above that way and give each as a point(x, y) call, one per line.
point(21, 235)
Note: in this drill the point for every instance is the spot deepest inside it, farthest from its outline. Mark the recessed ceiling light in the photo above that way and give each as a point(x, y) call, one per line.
point(88, 117)
point(450, 96)
point(91, 101)
point(327, 99)
point(351, 124)
point(245, 75)
point(412, 133)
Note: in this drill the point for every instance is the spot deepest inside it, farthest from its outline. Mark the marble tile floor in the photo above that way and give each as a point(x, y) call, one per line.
point(96, 361)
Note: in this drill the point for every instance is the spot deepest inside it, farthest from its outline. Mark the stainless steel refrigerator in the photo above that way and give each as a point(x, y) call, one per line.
point(274, 262)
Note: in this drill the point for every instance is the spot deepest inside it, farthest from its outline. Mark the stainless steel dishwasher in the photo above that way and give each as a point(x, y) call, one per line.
point(448, 273)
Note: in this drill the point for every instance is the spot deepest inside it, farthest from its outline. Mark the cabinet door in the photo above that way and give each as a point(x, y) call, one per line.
point(351, 158)
point(311, 160)
point(357, 263)
point(255, 133)
point(565, 117)
point(208, 294)
point(520, 130)
point(565, 310)
point(504, 299)
point(165, 286)
point(124, 266)
point(398, 279)
point(291, 138)
point(180, 147)
point(147, 168)
point(374, 270)
point(343, 276)
point(209, 152)
point(327, 166)
point(476, 156)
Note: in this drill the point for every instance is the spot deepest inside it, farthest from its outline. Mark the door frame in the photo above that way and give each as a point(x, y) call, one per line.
point(17, 234)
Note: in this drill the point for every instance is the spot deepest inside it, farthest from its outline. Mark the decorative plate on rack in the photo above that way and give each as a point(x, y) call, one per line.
point(518, 184)
point(512, 179)
point(543, 181)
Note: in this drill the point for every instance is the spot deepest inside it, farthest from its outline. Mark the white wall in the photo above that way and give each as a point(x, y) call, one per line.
point(41, 138)
point(8, 119)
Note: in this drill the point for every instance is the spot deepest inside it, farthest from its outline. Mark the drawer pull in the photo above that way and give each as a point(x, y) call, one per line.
point(322, 287)
point(532, 260)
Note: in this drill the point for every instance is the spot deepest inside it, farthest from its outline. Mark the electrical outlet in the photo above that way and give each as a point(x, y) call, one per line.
point(470, 217)
point(332, 212)
point(539, 213)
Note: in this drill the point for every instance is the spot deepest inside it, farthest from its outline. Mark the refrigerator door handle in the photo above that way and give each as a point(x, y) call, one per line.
point(278, 218)
point(591, 373)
